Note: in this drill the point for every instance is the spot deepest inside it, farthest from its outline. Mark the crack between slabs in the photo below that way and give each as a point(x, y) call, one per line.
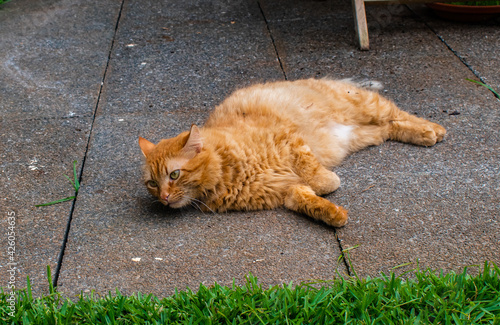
point(342, 254)
point(272, 40)
point(70, 217)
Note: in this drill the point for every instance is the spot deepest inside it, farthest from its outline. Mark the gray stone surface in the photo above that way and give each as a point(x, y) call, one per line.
point(52, 59)
point(175, 65)
point(34, 155)
point(477, 44)
point(163, 77)
point(171, 63)
point(53, 56)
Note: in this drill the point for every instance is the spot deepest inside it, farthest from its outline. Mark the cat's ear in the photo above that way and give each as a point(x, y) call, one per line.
point(146, 146)
point(194, 143)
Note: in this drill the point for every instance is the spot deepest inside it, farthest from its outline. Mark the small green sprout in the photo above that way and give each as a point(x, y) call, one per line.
point(484, 85)
point(75, 183)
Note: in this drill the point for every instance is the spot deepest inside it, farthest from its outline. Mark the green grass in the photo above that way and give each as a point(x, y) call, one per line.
point(428, 298)
point(76, 186)
point(486, 86)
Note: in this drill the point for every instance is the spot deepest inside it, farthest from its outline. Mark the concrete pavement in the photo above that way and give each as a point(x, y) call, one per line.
point(83, 81)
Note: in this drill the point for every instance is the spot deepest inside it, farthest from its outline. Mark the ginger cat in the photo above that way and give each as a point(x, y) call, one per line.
point(274, 144)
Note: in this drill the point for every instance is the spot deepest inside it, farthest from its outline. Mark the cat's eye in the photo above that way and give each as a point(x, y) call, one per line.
point(151, 184)
point(175, 174)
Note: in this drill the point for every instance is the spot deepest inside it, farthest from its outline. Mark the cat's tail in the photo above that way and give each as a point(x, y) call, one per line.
point(365, 83)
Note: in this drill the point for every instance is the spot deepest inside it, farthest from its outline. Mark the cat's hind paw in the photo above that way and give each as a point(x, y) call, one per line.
point(431, 134)
point(421, 132)
point(325, 182)
point(439, 130)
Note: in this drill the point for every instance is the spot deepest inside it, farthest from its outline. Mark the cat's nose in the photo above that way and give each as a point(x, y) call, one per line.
point(166, 197)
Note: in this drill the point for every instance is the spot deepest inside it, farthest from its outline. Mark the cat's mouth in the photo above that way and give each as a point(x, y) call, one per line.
point(179, 204)
point(175, 203)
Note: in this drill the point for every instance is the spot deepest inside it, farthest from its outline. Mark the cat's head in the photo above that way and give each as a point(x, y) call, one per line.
point(175, 168)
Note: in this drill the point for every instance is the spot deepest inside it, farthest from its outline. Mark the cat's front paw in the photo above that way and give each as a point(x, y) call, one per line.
point(337, 216)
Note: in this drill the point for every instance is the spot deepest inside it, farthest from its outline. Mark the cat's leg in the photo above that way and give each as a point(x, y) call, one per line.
point(308, 168)
point(302, 199)
point(379, 119)
point(368, 135)
point(411, 129)
point(399, 125)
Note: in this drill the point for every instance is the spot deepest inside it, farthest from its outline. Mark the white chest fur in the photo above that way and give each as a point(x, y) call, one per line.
point(342, 133)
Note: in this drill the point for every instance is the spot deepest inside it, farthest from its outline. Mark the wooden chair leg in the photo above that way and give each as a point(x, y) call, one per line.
point(360, 24)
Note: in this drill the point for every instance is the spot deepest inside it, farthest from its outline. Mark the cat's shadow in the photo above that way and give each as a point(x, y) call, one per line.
point(152, 211)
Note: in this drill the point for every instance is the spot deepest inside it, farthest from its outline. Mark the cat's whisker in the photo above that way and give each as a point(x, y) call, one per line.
point(193, 204)
point(199, 201)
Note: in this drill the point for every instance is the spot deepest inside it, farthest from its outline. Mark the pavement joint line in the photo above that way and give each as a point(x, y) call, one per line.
point(455, 52)
point(60, 256)
point(272, 40)
point(342, 254)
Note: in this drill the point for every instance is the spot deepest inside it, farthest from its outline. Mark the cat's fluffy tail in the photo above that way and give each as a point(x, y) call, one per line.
point(365, 83)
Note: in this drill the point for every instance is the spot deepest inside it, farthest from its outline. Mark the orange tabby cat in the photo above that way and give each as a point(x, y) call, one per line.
point(273, 145)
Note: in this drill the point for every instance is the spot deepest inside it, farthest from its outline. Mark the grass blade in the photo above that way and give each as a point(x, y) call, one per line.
point(484, 85)
point(49, 279)
point(72, 183)
point(401, 265)
point(69, 198)
point(76, 183)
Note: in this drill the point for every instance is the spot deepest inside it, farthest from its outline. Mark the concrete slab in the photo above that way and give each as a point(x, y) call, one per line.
point(52, 59)
point(53, 56)
point(325, 47)
point(436, 205)
point(192, 11)
point(120, 238)
point(472, 42)
point(34, 156)
point(298, 10)
point(162, 63)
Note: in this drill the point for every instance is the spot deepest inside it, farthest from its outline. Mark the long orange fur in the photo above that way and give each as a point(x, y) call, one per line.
point(274, 144)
